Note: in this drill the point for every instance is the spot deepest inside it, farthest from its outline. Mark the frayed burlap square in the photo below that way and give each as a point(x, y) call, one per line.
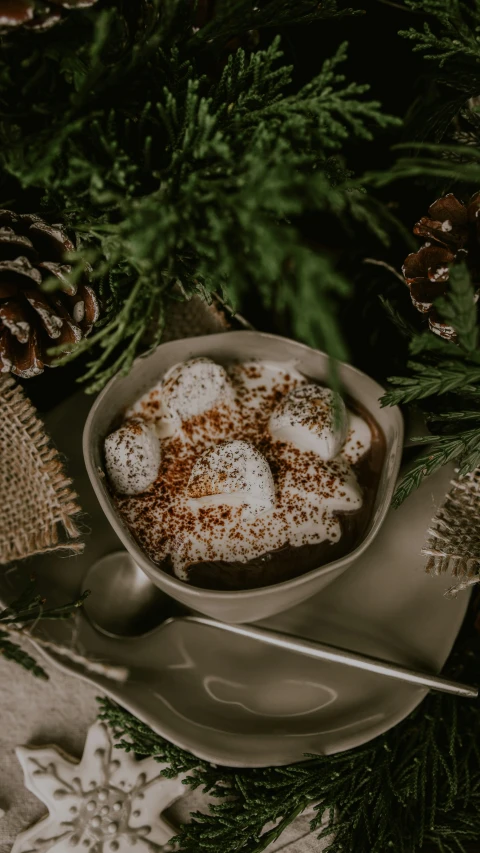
point(453, 543)
point(38, 503)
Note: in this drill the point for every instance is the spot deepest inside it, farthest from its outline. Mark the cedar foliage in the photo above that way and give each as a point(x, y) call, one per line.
point(185, 167)
point(23, 613)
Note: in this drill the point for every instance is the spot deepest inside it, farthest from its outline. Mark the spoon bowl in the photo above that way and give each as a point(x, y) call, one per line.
point(123, 601)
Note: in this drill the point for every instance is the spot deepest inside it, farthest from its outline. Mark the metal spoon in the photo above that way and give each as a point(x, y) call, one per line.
point(125, 603)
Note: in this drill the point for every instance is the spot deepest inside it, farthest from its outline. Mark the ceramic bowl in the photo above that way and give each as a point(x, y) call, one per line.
point(122, 391)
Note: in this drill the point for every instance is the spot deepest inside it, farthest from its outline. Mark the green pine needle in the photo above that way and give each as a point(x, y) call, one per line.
point(181, 183)
point(472, 415)
point(29, 608)
point(453, 38)
point(233, 17)
point(458, 307)
point(404, 327)
point(464, 447)
point(429, 380)
point(12, 651)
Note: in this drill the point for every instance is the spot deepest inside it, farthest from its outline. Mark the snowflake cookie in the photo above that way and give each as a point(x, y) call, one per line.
point(105, 804)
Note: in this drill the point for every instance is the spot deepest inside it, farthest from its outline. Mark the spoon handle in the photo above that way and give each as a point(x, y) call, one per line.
point(322, 651)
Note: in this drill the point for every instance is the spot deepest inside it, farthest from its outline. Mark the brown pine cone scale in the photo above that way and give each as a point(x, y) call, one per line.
point(36, 14)
point(32, 320)
point(452, 232)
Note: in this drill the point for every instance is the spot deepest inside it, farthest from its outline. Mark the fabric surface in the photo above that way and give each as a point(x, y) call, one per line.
point(36, 712)
point(38, 503)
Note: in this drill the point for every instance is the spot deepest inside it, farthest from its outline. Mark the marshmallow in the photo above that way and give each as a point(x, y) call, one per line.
point(359, 439)
point(233, 473)
point(311, 418)
point(194, 386)
point(132, 457)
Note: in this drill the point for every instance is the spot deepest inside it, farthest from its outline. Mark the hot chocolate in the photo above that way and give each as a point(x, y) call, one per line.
point(241, 476)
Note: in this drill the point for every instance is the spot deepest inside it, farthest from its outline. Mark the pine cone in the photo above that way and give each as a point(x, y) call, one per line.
point(32, 321)
point(452, 231)
point(36, 14)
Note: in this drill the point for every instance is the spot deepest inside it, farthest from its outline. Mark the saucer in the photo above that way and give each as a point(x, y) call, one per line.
point(234, 702)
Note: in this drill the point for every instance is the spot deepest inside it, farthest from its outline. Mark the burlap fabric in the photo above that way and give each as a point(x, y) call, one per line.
point(453, 543)
point(37, 500)
point(38, 503)
point(195, 317)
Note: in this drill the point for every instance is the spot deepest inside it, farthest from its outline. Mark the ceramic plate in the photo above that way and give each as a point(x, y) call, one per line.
point(235, 702)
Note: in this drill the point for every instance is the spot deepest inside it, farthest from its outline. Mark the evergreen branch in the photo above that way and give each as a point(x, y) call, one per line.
point(429, 380)
point(234, 17)
point(16, 615)
point(466, 415)
point(181, 183)
point(446, 169)
point(435, 347)
point(272, 835)
point(458, 308)
point(471, 394)
point(457, 22)
point(12, 651)
point(333, 104)
point(464, 446)
point(398, 320)
point(29, 608)
point(448, 162)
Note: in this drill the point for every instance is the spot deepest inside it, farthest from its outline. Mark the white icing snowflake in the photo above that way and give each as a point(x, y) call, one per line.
point(105, 804)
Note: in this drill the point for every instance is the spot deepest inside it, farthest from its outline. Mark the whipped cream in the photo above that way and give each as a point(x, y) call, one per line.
point(231, 485)
point(132, 457)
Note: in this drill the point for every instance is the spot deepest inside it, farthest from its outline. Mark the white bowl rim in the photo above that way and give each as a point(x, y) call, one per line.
point(170, 582)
